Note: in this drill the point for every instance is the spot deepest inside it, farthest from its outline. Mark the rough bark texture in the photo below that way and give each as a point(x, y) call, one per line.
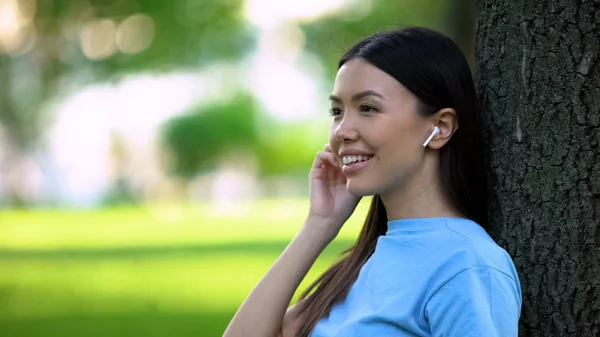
point(539, 82)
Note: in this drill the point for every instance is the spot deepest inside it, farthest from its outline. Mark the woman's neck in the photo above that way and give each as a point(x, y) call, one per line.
point(409, 211)
point(419, 200)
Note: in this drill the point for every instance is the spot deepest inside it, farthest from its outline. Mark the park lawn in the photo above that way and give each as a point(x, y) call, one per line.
point(179, 270)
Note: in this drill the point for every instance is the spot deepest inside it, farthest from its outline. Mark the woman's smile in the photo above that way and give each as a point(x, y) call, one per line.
point(356, 164)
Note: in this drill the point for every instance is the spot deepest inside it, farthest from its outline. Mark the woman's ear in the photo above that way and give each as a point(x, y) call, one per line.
point(447, 122)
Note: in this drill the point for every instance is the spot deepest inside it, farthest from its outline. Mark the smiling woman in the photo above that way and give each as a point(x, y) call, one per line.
point(423, 264)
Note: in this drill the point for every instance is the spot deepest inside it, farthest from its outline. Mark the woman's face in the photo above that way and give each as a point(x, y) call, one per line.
point(375, 120)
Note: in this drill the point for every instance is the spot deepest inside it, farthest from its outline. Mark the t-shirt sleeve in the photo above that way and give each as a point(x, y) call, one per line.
point(479, 301)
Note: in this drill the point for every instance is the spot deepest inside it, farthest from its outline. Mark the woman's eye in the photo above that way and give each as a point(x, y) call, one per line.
point(335, 111)
point(367, 108)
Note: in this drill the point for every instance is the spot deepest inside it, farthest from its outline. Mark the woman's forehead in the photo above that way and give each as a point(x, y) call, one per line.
point(358, 75)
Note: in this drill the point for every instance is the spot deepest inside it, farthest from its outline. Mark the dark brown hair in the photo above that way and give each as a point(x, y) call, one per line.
point(434, 69)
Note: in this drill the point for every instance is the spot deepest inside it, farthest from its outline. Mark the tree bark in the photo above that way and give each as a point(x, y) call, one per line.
point(539, 82)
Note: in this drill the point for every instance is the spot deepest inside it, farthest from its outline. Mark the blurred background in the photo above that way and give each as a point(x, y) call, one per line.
point(154, 154)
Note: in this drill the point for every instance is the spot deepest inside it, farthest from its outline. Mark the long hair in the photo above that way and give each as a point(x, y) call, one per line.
point(434, 69)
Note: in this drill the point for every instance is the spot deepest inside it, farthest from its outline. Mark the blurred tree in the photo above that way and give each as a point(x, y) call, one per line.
point(539, 81)
point(49, 42)
point(330, 36)
point(461, 24)
point(120, 192)
point(290, 148)
point(199, 138)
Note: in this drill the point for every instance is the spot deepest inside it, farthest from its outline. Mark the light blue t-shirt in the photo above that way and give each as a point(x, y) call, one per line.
point(430, 277)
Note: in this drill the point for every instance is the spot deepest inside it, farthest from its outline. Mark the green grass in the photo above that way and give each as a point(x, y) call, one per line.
point(152, 271)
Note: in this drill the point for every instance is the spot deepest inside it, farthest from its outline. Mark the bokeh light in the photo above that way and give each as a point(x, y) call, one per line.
point(266, 13)
point(17, 33)
point(97, 39)
point(135, 34)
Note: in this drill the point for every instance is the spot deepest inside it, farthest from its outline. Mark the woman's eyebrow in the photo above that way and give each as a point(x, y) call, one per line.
point(357, 96)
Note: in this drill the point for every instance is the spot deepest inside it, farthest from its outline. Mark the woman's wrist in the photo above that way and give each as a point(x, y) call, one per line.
point(320, 230)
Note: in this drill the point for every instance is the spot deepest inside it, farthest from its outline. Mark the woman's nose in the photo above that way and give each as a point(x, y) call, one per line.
point(345, 132)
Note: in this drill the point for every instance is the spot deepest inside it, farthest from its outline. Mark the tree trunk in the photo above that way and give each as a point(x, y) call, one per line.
point(539, 82)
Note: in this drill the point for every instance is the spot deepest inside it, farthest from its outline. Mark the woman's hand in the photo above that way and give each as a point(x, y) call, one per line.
point(330, 201)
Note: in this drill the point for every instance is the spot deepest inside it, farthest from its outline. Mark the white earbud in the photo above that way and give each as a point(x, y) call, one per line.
point(436, 130)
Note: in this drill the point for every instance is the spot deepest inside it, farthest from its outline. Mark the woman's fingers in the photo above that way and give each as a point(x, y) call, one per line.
point(325, 157)
point(327, 148)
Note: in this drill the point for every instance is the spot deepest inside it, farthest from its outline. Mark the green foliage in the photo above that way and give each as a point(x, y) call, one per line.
point(187, 33)
point(290, 148)
point(331, 36)
point(198, 139)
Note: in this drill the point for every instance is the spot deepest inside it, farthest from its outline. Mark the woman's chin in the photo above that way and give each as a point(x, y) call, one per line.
point(360, 188)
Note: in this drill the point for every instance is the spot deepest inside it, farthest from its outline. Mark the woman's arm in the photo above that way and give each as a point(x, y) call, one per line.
point(262, 313)
point(291, 321)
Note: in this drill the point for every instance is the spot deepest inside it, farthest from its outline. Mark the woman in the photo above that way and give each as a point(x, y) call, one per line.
point(406, 130)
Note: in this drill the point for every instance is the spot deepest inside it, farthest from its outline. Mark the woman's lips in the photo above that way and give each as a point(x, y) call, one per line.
point(353, 168)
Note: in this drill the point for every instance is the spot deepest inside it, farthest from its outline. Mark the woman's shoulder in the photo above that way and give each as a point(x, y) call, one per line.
point(470, 246)
point(451, 244)
point(441, 249)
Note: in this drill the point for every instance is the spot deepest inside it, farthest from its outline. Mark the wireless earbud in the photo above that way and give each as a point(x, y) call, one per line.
point(436, 130)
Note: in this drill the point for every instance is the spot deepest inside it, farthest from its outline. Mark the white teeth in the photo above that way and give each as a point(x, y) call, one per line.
point(353, 159)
